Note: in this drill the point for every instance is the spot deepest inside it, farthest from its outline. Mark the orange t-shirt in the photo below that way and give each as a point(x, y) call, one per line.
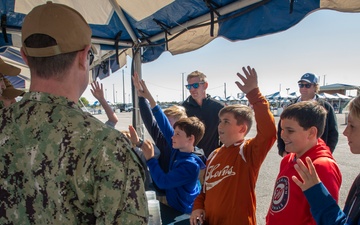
point(228, 194)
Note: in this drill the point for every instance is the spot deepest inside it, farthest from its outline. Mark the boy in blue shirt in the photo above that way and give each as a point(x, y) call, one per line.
point(181, 182)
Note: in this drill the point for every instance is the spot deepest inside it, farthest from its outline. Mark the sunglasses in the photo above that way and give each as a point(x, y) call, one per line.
point(91, 55)
point(194, 85)
point(305, 85)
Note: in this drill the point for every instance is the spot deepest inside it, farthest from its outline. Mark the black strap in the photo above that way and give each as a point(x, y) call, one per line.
point(210, 4)
point(117, 38)
point(291, 6)
point(3, 28)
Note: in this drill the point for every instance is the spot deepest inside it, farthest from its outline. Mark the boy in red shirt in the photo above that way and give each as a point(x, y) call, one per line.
point(228, 193)
point(302, 125)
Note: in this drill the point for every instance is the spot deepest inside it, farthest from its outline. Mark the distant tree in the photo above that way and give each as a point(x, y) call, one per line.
point(84, 101)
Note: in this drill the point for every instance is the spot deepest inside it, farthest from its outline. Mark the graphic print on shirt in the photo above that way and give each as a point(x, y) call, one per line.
point(281, 194)
point(214, 172)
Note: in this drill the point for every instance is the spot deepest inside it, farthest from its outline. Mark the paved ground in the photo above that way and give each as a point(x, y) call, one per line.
point(347, 161)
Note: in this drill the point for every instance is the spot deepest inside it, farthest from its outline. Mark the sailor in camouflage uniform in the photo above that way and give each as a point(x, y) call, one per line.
point(60, 165)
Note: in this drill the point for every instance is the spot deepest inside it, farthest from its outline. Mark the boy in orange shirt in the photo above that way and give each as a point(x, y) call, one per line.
point(228, 193)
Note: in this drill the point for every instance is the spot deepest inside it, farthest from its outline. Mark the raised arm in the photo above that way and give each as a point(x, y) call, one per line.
point(98, 92)
point(162, 121)
point(265, 122)
point(152, 127)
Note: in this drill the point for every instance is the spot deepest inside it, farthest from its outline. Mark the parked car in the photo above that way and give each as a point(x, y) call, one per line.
point(125, 107)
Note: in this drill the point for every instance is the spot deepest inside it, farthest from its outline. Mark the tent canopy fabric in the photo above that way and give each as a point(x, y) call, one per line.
point(145, 29)
point(280, 95)
point(121, 28)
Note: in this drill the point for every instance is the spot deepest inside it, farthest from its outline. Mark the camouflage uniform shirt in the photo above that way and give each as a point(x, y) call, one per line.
point(60, 165)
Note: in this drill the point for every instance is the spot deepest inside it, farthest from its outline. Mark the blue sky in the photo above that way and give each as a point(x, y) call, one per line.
point(325, 43)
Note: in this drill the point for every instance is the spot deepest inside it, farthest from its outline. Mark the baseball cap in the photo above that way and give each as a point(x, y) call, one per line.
point(309, 77)
point(64, 24)
point(11, 92)
point(8, 69)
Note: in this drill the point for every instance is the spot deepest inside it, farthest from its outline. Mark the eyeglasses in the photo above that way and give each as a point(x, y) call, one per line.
point(305, 85)
point(91, 55)
point(194, 85)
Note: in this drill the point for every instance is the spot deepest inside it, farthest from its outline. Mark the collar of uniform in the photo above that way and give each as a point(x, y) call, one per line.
point(49, 98)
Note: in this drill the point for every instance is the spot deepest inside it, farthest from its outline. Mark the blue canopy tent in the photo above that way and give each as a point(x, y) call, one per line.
point(145, 29)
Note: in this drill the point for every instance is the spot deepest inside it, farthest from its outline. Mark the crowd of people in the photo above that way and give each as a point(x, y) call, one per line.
point(61, 165)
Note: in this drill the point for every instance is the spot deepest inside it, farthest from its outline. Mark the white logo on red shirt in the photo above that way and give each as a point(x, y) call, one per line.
point(281, 194)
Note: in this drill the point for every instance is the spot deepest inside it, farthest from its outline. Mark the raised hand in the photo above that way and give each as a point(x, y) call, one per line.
point(97, 90)
point(134, 138)
point(307, 174)
point(142, 90)
point(148, 149)
point(249, 79)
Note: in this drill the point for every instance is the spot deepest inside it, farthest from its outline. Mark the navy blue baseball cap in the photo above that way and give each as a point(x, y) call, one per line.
point(309, 77)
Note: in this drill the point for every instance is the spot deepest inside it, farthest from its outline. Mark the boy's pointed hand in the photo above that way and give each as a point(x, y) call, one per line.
point(134, 138)
point(249, 79)
point(307, 174)
point(148, 149)
point(137, 84)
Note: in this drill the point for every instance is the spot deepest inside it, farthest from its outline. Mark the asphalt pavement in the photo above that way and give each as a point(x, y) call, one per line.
point(348, 164)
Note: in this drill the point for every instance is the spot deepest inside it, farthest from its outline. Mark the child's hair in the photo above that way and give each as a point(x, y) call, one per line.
point(308, 114)
point(175, 111)
point(200, 75)
point(242, 113)
point(354, 107)
point(191, 126)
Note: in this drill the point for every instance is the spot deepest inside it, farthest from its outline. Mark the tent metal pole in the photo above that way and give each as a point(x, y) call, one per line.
point(125, 22)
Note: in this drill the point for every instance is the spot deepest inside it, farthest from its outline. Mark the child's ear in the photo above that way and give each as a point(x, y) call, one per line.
point(192, 139)
point(313, 132)
point(243, 128)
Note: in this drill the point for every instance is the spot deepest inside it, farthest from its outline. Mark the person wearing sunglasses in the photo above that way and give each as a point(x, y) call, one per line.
point(62, 164)
point(309, 88)
point(203, 106)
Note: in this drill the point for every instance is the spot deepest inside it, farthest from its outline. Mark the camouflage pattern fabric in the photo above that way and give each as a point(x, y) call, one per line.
point(60, 165)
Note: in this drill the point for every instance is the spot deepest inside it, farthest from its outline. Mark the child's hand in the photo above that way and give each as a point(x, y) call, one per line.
point(97, 90)
point(197, 215)
point(137, 85)
point(134, 138)
point(249, 79)
point(142, 90)
point(148, 149)
point(307, 174)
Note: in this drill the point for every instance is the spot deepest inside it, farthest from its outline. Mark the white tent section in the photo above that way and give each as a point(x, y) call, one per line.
point(328, 96)
point(341, 96)
point(219, 98)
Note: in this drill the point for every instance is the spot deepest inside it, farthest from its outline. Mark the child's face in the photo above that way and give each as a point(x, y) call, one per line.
point(297, 140)
point(181, 141)
point(229, 131)
point(352, 132)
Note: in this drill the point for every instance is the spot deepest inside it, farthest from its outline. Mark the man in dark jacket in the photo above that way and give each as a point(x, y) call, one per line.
point(205, 108)
point(309, 87)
